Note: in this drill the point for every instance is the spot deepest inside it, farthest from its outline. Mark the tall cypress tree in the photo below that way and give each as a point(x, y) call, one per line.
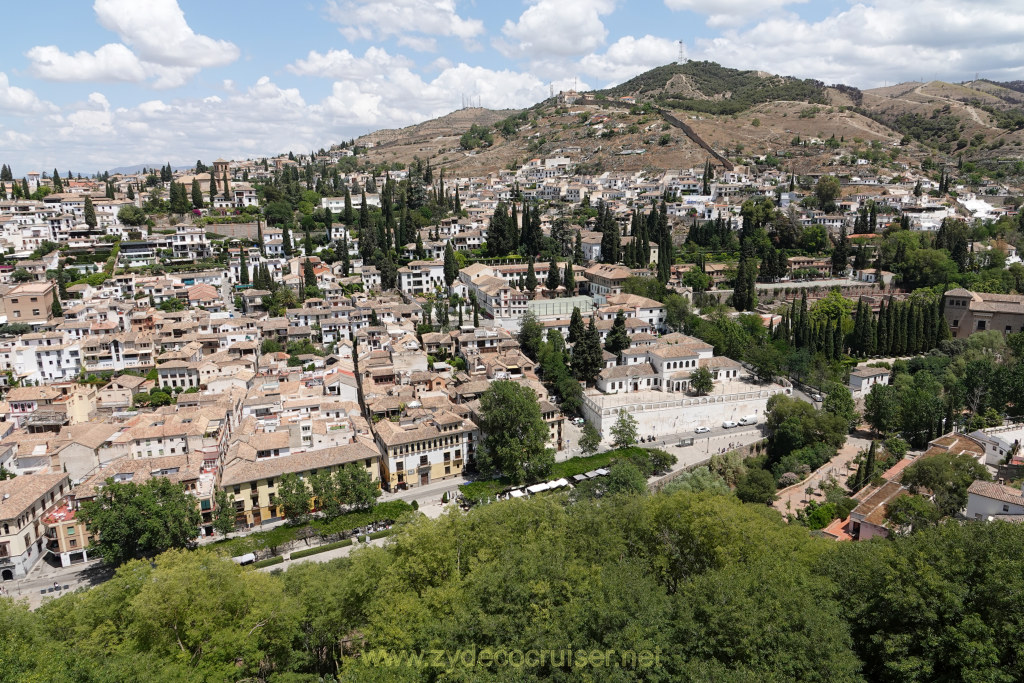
point(553, 275)
point(243, 266)
point(90, 212)
point(451, 266)
point(213, 187)
point(576, 327)
point(569, 279)
point(531, 278)
point(286, 239)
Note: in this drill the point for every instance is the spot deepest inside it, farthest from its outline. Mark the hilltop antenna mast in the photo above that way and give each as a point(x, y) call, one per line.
point(680, 60)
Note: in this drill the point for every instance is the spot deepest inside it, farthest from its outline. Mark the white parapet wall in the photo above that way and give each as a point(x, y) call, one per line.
point(659, 413)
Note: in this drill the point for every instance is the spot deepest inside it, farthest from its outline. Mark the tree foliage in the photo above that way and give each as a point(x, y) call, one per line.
point(515, 434)
point(140, 520)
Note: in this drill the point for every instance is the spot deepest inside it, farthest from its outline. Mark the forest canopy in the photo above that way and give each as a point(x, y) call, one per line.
point(716, 588)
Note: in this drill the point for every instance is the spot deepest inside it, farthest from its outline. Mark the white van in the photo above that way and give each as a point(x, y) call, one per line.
point(748, 420)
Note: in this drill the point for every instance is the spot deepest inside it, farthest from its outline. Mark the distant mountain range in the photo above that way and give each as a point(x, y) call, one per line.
point(138, 167)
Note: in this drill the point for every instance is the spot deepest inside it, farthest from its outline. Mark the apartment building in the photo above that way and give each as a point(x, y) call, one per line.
point(30, 303)
point(23, 504)
point(252, 480)
point(419, 450)
point(421, 277)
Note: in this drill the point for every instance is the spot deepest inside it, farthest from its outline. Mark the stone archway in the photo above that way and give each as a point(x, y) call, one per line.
point(7, 575)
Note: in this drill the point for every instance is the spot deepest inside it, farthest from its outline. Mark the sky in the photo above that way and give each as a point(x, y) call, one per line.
point(89, 87)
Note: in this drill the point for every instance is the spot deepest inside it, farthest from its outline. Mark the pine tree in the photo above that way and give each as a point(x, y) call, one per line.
point(90, 213)
point(553, 276)
point(569, 279)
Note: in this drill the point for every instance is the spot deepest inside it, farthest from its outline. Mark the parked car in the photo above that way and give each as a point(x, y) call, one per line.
point(728, 424)
point(702, 430)
point(816, 398)
point(578, 421)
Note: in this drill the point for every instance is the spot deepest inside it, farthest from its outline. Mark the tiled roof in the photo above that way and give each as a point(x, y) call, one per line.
point(1000, 492)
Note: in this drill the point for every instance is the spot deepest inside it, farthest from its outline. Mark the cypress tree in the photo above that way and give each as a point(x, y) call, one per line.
point(243, 266)
point(286, 240)
point(58, 184)
point(90, 212)
point(24, 188)
point(553, 275)
point(346, 216)
point(882, 344)
point(213, 187)
point(569, 279)
point(346, 263)
point(197, 194)
point(531, 278)
point(367, 236)
point(451, 266)
point(576, 328)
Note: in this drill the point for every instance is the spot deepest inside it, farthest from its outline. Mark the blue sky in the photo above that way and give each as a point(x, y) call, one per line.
point(89, 86)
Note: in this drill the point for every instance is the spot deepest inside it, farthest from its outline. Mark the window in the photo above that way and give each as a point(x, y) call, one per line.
point(73, 543)
point(238, 490)
point(981, 324)
point(1006, 508)
point(71, 531)
point(956, 323)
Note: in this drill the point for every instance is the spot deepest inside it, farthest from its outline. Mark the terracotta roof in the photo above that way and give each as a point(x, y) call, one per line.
point(1000, 492)
point(17, 494)
point(239, 470)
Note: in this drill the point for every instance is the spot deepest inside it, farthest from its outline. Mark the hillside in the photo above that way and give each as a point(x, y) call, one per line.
point(745, 116)
point(981, 120)
point(711, 88)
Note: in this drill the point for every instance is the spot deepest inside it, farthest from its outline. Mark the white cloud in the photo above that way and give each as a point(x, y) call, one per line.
point(629, 56)
point(889, 41)
point(556, 29)
point(19, 100)
point(731, 12)
point(167, 52)
point(344, 64)
point(414, 22)
point(158, 32)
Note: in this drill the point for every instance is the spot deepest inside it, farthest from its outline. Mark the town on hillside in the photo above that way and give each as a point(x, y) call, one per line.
point(299, 337)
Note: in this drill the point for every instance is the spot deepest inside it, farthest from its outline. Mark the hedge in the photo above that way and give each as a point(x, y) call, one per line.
point(381, 534)
point(321, 549)
point(278, 559)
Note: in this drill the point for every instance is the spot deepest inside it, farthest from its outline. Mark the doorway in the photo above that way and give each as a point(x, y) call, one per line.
point(424, 479)
point(7, 575)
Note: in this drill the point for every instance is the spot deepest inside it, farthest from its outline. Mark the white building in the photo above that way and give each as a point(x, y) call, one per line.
point(988, 501)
